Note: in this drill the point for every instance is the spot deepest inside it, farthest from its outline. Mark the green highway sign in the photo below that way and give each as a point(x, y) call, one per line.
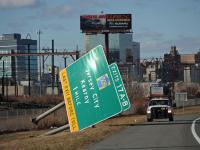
point(93, 90)
point(121, 91)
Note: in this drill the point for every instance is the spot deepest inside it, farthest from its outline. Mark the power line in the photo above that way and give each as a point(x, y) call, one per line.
point(39, 54)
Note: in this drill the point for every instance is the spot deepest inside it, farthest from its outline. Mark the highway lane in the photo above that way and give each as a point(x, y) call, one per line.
point(157, 135)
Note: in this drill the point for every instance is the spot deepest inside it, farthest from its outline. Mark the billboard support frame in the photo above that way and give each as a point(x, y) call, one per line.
point(107, 46)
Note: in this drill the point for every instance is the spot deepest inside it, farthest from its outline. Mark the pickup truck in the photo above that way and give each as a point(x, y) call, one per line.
point(160, 108)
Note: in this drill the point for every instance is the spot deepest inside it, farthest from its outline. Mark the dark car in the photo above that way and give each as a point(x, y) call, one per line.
point(93, 24)
point(160, 108)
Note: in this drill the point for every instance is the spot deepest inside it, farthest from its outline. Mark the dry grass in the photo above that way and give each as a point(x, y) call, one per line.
point(65, 140)
point(75, 141)
point(36, 99)
point(56, 119)
point(187, 110)
point(23, 122)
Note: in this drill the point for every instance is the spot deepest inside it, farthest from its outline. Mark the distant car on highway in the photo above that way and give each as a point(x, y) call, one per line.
point(160, 108)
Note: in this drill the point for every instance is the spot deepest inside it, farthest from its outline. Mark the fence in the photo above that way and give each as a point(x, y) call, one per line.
point(20, 90)
point(20, 119)
point(17, 119)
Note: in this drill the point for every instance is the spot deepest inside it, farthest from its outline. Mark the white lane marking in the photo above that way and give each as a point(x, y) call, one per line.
point(194, 132)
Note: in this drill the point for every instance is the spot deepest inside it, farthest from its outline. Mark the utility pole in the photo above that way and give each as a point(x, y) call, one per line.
point(43, 65)
point(39, 32)
point(52, 68)
point(29, 72)
point(77, 53)
point(3, 79)
point(6, 87)
point(14, 73)
point(65, 60)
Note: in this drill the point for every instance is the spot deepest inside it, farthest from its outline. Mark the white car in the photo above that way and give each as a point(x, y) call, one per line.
point(160, 108)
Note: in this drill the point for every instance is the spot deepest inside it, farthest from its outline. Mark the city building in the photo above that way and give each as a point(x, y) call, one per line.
point(16, 68)
point(122, 50)
point(196, 71)
point(187, 61)
point(191, 66)
point(195, 74)
point(181, 67)
point(152, 69)
point(197, 57)
point(172, 69)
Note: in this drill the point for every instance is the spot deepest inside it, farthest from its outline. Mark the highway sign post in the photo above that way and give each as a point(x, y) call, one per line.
point(89, 91)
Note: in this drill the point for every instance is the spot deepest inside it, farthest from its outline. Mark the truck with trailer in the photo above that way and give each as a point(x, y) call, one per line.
point(160, 103)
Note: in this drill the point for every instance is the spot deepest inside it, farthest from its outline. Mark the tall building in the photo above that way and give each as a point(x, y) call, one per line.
point(196, 71)
point(122, 49)
point(16, 68)
point(172, 69)
point(197, 58)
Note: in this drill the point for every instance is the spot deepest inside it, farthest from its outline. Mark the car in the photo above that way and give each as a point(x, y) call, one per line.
point(160, 108)
point(93, 24)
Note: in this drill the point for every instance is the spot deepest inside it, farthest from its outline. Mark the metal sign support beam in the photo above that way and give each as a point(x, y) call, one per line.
point(57, 130)
point(107, 46)
point(48, 112)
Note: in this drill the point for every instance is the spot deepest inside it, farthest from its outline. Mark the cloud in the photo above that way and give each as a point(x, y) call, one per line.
point(152, 35)
point(191, 7)
point(157, 48)
point(156, 44)
point(61, 10)
point(17, 26)
point(57, 27)
point(188, 44)
point(92, 4)
point(66, 9)
point(18, 3)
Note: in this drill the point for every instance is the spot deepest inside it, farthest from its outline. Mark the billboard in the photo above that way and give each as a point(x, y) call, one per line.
point(106, 23)
point(93, 22)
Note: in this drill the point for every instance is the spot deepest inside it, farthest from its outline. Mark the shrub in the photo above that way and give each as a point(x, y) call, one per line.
point(140, 110)
point(36, 99)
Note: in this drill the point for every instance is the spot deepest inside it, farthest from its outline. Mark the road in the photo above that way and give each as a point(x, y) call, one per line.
point(157, 135)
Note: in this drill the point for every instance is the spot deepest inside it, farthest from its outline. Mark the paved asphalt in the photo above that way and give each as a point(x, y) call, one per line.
point(157, 135)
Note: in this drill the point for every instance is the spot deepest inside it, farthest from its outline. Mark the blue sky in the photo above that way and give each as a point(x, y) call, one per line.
point(157, 24)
